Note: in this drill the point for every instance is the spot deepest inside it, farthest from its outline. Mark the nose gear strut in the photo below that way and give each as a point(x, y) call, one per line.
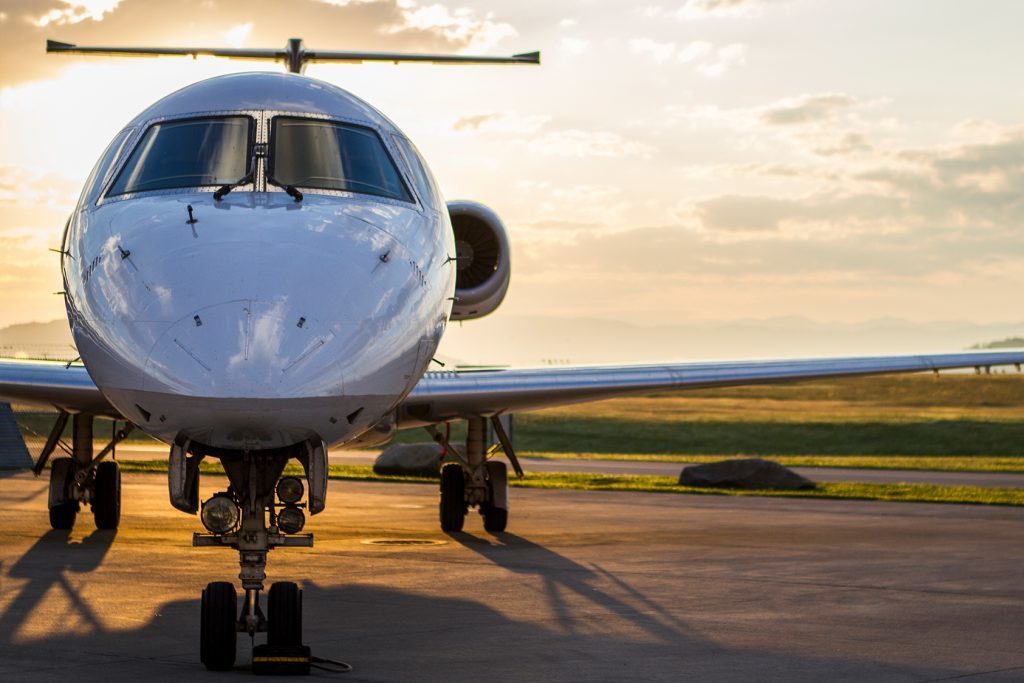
point(253, 478)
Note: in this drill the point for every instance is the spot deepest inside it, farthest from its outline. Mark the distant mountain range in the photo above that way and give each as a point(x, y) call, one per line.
point(540, 340)
point(38, 340)
point(1008, 343)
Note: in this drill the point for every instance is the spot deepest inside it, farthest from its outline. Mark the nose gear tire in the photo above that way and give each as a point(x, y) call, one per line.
point(217, 633)
point(284, 615)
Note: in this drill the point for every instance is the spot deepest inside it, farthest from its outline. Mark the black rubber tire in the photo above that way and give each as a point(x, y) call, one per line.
point(217, 634)
point(284, 615)
point(62, 516)
point(453, 497)
point(106, 501)
point(495, 518)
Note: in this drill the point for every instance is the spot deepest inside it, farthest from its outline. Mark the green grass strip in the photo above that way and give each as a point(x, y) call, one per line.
point(942, 463)
point(915, 493)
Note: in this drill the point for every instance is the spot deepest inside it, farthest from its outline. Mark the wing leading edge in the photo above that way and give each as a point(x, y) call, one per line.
point(52, 383)
point(441, 396)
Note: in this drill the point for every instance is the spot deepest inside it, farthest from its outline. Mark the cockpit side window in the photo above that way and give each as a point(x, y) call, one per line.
point(188, 153)
point(101, 171)
point(424, 179)
point(325, 155)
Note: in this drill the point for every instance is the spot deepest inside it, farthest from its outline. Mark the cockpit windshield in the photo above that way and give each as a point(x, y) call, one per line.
point(323, 155)
point(189, 153)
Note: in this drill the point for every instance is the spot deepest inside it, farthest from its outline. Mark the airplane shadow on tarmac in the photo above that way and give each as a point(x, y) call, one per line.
point(564, 578)
point(46, 566)
point(594, 626)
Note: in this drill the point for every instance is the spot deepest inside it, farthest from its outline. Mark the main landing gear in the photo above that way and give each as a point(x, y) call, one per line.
point(81, 478)
point(261, 510)
point(473, 480)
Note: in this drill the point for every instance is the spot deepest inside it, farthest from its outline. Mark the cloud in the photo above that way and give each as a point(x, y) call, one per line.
point(460, 26)
point(500, 122)
point(75, 11)
point(948, 194)
point(387, 25)
point(588, 143)
point(703, 9)
point(806, 109)
point(659, 52)
point(706, 59)
point(236, 35)
point(21, 188)
point(575, 46)
point(724, 59)
point(850, 143)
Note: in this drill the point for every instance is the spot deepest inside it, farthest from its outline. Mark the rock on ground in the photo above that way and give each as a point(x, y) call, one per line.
point(409, 460)
point(747, 473)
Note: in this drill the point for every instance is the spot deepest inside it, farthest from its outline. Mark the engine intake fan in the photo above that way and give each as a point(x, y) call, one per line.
point(483, 266)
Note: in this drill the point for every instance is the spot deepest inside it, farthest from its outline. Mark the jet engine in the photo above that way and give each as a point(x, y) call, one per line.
point(483, 268)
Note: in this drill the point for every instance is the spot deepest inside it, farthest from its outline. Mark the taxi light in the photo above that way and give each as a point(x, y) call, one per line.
point(290, 490)
point(220, 514)
point(291, 520)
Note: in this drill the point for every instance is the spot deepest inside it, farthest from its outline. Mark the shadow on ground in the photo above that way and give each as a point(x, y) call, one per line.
point(586, 624)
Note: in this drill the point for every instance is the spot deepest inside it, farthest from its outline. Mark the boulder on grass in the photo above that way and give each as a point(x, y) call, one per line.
point(747, 473)
point(409, 460)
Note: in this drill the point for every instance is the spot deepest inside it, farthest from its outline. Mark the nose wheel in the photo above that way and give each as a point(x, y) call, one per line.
point(220, 623)
point(284, 615)
point(218, 628)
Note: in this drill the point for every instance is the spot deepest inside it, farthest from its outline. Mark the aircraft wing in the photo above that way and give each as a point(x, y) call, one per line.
point(52, 383)
point(442, 396)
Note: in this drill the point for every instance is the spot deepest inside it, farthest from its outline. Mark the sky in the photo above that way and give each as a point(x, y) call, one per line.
point(672, 162)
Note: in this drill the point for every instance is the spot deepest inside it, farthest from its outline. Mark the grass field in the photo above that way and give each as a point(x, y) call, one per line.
point(949, 422)
point(968, 421)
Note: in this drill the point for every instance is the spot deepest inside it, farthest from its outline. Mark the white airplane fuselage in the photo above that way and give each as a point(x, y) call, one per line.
point(257, 321)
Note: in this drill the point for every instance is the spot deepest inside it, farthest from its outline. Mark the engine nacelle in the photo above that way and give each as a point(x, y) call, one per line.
point(484, 265)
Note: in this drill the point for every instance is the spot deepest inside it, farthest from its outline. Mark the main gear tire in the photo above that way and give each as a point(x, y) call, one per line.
point(63, 509)
point(106, 501)
point(453, 497)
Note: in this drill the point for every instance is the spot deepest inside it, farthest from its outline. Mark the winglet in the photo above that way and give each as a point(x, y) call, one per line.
point(57, 46)
point(528, 57)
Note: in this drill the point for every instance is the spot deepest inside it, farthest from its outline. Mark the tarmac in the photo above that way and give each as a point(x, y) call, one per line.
point(586, 586)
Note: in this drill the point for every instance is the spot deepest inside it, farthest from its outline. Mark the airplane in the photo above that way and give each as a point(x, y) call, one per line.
point(261, 267)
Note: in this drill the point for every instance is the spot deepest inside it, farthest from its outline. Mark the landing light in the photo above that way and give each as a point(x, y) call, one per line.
point(290, 490)
point(291, 520)
point(220, 514)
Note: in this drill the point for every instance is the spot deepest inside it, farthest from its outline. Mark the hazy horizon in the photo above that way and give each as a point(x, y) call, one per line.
point(550, 340)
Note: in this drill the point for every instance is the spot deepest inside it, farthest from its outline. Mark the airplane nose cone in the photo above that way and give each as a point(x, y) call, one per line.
point(245, 349)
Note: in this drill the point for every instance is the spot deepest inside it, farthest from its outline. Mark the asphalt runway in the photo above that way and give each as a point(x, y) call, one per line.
point(587, 586)
point(672, 469)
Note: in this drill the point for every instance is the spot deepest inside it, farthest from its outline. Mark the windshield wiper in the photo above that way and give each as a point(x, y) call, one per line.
point(289, 189)
point(224, 189)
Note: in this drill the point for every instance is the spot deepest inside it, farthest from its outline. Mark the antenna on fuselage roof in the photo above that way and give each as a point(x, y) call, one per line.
point(294, 55)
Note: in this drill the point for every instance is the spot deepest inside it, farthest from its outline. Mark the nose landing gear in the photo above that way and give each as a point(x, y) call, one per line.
point(240, 521)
